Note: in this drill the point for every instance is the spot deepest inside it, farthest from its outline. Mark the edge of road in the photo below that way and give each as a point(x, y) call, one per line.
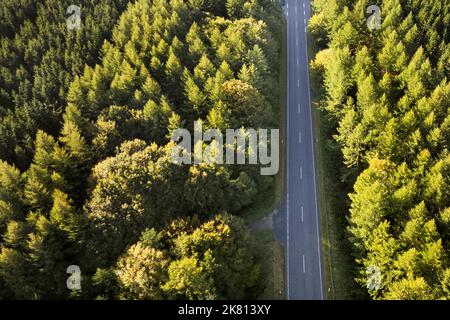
point(313, 141)
point(313, 144)
point(287, 149)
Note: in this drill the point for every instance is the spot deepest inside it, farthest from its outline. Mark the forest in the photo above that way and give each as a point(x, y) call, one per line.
point(386, 94)
point(86, 117)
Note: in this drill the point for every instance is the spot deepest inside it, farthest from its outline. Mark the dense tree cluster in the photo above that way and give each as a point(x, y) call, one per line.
point(39, 56)
point(86, 176)
point(388, 92)
point(214, 260)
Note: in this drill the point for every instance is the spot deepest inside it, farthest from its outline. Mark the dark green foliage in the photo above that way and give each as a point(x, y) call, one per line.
point(388, 91)
point(39, 57)
point(86, 117)
point(213, 260)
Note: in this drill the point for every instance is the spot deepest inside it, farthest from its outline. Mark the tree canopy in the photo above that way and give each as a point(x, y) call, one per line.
point(388, 93)
point(86, 116)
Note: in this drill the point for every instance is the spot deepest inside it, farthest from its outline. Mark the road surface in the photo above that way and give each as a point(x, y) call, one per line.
point(297, 225)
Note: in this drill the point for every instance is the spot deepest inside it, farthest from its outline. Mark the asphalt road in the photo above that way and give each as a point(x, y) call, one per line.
point(297, 224)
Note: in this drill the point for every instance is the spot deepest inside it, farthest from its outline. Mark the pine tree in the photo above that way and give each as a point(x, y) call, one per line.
point(194, 95)
point(174, 124)
point(73, 140)
point(197, 48)
point(410, 289)
point(204, 70)
point(63, 215)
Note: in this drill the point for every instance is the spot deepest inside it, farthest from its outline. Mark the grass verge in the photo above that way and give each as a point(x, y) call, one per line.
point(337, 262)
point(272, 252)
point(273, 268)
point(266, 202)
